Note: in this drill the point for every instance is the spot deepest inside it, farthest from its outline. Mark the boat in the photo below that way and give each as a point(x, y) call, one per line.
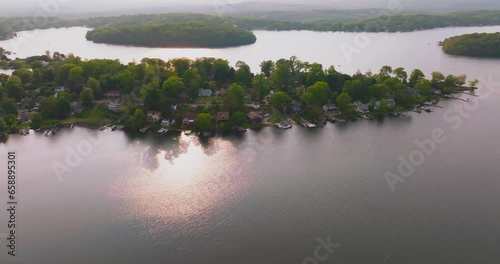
point(143, 130)
point(103, 128)
point(241, 129)
point(71, 126)
point(163, 131)
point(339, 120)
point(113, 128)
point(120, 127)
point(187, 132)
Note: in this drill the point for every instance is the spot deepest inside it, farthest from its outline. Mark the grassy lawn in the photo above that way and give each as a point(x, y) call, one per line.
point(204, 100)
point(93, 116)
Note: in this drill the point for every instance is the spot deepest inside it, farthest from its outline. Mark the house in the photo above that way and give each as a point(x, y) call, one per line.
point(153, 116)
point(26, 102)
point(189, 119)
point(360, 107)
point(413, 92)
point(204, 93)
point(167, 122)
point(391, 102)
point(25, 118)
point(114, 105)
point(59, 89)
point(329, 107)
point(112, 94)
point(38, 101)
point(436, 91)
point(76, 107)
point(221, 92)
point(222, 117)
point(139, 102)
point(294, 107)
point(254, 117)
point(255, 105)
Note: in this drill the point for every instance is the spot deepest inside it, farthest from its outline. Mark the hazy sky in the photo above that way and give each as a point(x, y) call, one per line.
point(13, 7)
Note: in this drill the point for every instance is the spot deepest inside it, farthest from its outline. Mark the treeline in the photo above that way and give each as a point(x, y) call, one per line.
point(317, 21)
point(173, 35)
point(474, 45)
point(47, 85)
point(406, 23)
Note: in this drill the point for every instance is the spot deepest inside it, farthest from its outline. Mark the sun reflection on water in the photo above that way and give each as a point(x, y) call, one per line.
point(184, 190)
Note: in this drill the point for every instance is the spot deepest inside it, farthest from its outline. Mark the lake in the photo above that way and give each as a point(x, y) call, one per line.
point(268, 195)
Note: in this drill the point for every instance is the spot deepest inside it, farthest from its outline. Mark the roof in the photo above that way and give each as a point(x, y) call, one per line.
point(154, 113)
point(205, 92)
point(190, 116)
point(254, 116)
point(222, 116)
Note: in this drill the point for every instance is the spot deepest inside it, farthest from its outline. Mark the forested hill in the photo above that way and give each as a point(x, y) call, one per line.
point(173, 35)
point(406, 23)
point(394, 23)
point(474, 45)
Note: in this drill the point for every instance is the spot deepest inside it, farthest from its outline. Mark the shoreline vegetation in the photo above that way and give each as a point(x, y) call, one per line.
point(206, 95)
point(137, 23)
point(185, 35)
point(485, 45)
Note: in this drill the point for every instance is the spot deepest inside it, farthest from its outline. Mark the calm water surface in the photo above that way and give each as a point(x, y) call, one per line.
point(266, 196)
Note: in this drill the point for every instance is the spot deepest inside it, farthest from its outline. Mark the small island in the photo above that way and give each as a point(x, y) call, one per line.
point(184, 35)
point(474, 45)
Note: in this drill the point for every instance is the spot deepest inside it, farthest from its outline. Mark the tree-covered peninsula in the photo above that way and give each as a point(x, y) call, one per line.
point(206, 94)
point(474, 45)
point(173, 35)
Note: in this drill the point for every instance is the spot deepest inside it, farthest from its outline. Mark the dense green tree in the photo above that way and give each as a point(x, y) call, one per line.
point(356, 89)
point(279, 100)
point(137, 120)
point(8, 106)
point(316, 95)
point(343, 101)
point(233, 99)
point(415, 76)
point(261, 86)
point(204, 122)
point(87, 96)
point(266, 67)
point(3, 126)
point(36, 120)
point(23, 74)
point(15, 88)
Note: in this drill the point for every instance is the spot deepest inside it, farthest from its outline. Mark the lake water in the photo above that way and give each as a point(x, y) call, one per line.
point(270, 196)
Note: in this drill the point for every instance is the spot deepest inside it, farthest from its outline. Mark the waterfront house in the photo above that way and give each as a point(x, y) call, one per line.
point(254, 117)
point(167, 122)
point(114, 105)
point(255, 105)
point(360, 107)
point(222, 117)
point(76, 107)
point(112, 94)
point(38, 101)
point(329, 107)
point(221, 92)
point(413, 92)
point(25, 118)
point(153, 116)
point(436, 91)
point(204, 93)
point(189, 119)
